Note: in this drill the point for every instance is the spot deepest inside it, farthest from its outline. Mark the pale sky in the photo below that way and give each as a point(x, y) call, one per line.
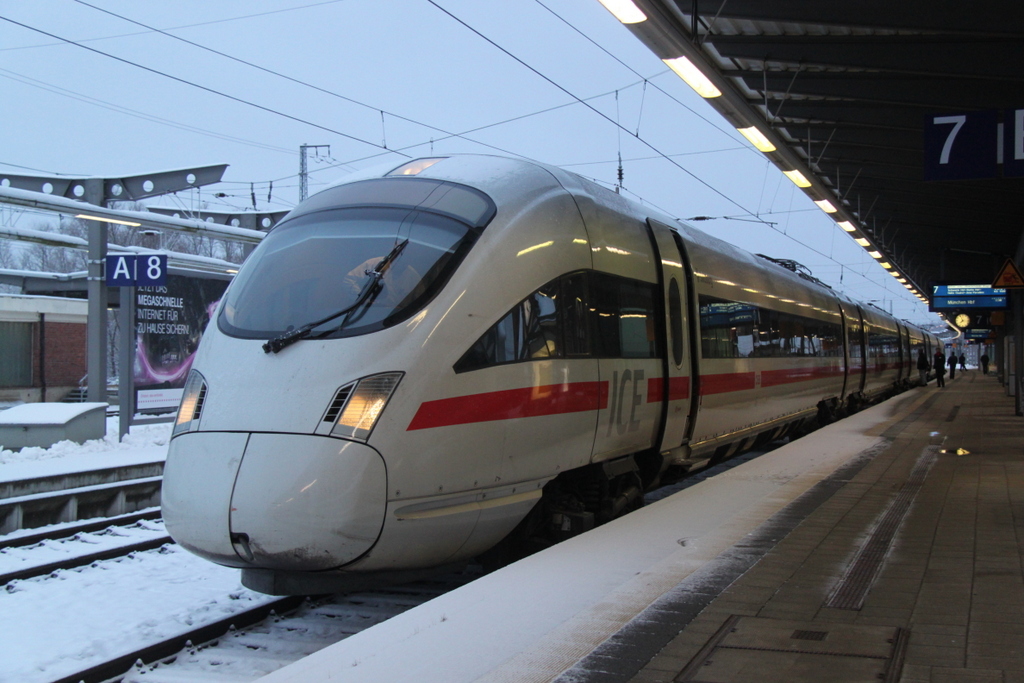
point(362, 75)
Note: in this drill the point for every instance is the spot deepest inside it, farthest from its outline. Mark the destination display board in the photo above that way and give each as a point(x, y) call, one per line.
point(954, 296)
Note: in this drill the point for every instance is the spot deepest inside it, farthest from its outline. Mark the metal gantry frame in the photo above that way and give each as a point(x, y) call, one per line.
point(87, 198)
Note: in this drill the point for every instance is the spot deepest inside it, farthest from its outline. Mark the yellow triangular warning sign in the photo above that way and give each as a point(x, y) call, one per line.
point(1009, 276)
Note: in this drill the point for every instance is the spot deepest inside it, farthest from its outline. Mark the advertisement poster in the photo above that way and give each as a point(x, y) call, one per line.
point(169, 322)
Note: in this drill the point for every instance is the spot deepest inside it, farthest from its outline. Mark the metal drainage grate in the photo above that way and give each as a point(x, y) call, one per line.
point(851, 592)
point(769, 651)
point(809, 635)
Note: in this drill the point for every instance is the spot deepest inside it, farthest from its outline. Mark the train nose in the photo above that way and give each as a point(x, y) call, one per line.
point(278, 501)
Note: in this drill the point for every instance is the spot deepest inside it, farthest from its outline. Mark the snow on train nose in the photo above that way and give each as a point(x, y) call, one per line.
point(278, 501)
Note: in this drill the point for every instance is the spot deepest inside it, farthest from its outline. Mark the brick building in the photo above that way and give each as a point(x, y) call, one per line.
point(42, 347)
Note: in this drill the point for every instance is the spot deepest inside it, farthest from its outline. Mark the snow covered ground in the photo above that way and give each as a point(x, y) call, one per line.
point(145, 443)
point(60, 624)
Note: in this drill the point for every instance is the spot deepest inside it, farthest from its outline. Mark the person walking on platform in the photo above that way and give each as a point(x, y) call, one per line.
point(923, 366)
point(984, 363)
point(939, 364)
point(952, 365)
point(963, 361)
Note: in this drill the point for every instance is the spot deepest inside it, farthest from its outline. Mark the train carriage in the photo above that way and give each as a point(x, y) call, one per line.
point(462, 353)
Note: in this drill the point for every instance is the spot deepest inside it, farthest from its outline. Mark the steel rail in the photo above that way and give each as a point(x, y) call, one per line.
point(82, 560)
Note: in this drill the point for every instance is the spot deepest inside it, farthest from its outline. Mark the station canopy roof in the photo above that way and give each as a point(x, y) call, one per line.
point(845, 91)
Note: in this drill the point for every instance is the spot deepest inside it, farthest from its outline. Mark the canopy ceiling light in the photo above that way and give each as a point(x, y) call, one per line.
point(694, 77)
point(757, 139)
point(847, 226)
point(798, 178)
point(130, 224)
point(625, 11)
point(826, 206)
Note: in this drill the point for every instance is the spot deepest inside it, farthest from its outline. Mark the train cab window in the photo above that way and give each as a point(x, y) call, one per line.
point(320, 263)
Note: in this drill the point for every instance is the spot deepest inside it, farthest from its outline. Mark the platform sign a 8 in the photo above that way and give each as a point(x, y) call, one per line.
point(143, 270)
point(151, 270)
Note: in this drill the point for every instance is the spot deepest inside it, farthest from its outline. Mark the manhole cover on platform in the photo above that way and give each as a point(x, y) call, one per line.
point(748, 649)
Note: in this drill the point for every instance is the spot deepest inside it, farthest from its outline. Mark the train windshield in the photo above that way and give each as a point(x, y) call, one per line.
point(319, 264)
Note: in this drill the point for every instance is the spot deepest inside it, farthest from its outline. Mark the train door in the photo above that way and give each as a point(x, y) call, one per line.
point(674, 390)
point(904, 341)
point(858, 356)
point(627, 344)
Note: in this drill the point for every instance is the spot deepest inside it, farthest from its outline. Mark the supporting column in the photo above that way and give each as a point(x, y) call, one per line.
point(126, 362)
point(1017, 306)
point(96, 327)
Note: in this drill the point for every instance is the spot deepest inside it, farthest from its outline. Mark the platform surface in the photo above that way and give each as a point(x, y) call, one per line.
point(868, 550)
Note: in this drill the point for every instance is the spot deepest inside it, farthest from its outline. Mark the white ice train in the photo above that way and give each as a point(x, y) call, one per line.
point(471, 351)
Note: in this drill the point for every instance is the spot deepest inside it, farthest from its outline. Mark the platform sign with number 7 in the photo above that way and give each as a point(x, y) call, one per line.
point(142, 270)
point(961, 146)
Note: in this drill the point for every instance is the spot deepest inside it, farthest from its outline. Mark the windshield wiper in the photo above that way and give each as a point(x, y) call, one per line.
point(370, 290)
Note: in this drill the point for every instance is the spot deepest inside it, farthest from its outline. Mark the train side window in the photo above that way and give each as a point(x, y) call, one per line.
point(529, 331)
point(623, 316)
point(576, 315)
point(856, 340)
point(729, 329)
point(732, 329)
point(580, 315)
point(540, 325)
point(675, 319)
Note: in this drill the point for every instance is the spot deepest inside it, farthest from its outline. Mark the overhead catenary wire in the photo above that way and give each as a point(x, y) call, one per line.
point(297, 81)
point(727, 132)
point(183, 26)
point(476, 129)
point(592, 108)
point(193, 84)
point(87, 99)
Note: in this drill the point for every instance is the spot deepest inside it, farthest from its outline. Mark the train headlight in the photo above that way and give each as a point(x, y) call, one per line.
point(191, 407)
point(364, 406)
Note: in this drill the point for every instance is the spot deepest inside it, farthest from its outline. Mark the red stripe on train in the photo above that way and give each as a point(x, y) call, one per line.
point(726, 382)
point(772, 378)
point(550, 399)
point(678, 389)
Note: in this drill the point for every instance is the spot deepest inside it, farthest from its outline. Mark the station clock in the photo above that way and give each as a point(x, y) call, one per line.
point(963, 321)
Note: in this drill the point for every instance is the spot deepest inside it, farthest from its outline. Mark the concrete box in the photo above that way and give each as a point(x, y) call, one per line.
point(44, 424)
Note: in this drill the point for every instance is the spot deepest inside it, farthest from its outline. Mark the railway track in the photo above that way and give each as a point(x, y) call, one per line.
point(116, 504)
point(108, 492)
point(251, 644)
point(33, 567)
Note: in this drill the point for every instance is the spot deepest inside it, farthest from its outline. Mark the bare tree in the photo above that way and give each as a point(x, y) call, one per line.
point(8, 259)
